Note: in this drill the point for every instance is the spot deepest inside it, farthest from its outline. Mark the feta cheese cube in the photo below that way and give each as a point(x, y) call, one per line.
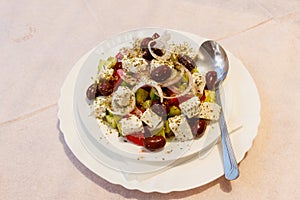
point(151, 118)
point(122, 96)
point(134, 65)
point(209, 110)
point(131, 125)
point(180, 127)
point(199, 84)
point(123, 100)
point(191, 107)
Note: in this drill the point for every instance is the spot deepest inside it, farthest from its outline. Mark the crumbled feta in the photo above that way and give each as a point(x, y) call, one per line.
point(99, 106)
point(180, 127)
point(131, 125)
point(107, 73)
point(199, 84)
point(134, 65)
point(151, 118)
point(209, 110)
point(191, 107)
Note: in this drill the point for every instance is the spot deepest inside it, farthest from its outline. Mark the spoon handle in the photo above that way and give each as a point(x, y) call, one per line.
point(231, 169)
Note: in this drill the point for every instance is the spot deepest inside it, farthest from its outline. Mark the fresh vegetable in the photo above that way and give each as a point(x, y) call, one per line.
point(174, 110)
point(141, 95)
point(137, 139)
point(153, 95)
point(210, 96)
point(147, 104)
point(111, 121)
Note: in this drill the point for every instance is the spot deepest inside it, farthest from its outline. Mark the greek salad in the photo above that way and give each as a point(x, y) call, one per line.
point(152, 93)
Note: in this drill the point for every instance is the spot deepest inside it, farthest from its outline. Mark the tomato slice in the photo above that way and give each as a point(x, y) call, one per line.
point(173, 102)
point(203, 97)
point(118, 65)
point(117, 79)
point(136, 138)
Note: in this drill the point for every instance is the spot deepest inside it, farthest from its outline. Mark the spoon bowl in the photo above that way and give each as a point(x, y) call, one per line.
point(213, 58)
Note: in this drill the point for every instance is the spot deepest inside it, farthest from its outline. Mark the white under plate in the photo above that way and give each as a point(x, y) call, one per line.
point(115, 168)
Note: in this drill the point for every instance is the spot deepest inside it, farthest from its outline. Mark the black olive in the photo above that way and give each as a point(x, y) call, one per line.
point(160, 110)
point(198, 126)
point(105, 88)
point(187, 62)
point(211, 79)
point(161, 73)
point(91, 92)
point(155, 142)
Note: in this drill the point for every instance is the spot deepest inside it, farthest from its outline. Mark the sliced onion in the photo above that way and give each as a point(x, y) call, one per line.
point(188, 88)
point(121, 74)
point(174, 89)
point(128, 79)
point(173, 79)
point(167, 53)
point(150, 83)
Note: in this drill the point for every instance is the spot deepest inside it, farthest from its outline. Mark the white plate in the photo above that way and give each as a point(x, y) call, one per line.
point(246, 110)
point(109, 138)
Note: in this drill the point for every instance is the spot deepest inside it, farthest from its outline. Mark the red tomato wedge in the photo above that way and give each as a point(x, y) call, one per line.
point(136, 138)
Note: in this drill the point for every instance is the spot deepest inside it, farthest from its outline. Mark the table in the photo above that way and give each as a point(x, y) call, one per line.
point(42, 40)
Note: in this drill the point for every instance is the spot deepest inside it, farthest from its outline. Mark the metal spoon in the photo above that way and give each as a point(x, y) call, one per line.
point(213, 57)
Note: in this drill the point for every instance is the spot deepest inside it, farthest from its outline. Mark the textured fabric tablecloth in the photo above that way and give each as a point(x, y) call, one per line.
point(40, 41)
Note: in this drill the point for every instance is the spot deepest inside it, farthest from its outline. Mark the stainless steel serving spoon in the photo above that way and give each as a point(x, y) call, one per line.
point(214, 58)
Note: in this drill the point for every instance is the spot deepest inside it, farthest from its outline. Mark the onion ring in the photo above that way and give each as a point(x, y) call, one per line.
point(166, 54)
point(188, 88)
point(128, 79)
point(173, 79)
point(150, 83)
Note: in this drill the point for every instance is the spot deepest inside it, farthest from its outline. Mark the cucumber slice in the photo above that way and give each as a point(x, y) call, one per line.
point(147, 104)
point(174, 110)
point(119, 128)
point(141, 95)
point(111, 121)
point(117, 118)
point(108, 63)
point(153, 95)
point(167, 127)
point(210, 96)
point(161, 133)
